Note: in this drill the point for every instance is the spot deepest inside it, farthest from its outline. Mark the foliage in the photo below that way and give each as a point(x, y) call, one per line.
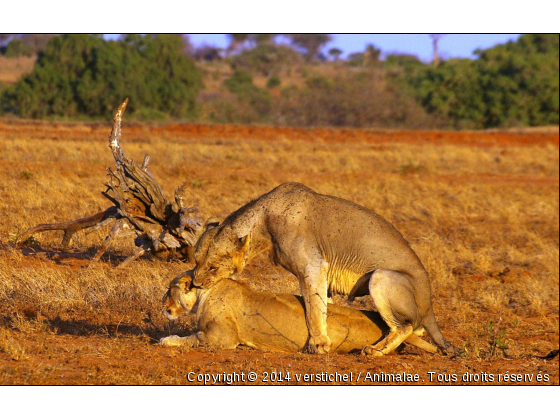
point(207, 53)
point(309, 44)
point(188, 47)
point(252, 103)
point(266, 59)
point(273, 82)
point(17, 48)
point(17, 45)
point(335, 53)
point(361, 99)
point(408, 64)
point(515, 84)
point(520, 81)
point(240, 40)
point(496, 338)
point(355, 59)
point(84, 75)
point(241, 80)
point(371, 55)
point(4, 38)
point(451, 89)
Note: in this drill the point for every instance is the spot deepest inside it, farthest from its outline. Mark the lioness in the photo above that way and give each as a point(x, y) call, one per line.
point(332, 246)
point(230, 313)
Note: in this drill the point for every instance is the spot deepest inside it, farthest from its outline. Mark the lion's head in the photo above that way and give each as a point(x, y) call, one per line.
point(220, 254)
point(180, 297)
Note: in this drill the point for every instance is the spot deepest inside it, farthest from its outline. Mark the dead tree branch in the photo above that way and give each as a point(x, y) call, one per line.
point(140, 207)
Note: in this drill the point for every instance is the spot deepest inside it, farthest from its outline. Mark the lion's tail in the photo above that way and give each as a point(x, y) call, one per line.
point(431, 326)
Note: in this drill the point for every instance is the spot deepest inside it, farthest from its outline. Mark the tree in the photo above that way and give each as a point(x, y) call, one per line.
point(335, 53)
point(514, 84)
point(309, 44)
point(37, 42)
point(16, 48)
point(239, 41)
point(259, 100)
point(355, 59)
point(353, 99)
point(188, 47)
point(84, 75)
point(259, 39)
point(5, 39)
point(208, 53)
point(435, 40)
point(236, 41)
point(266, 59)
point(371, 55)
point(519, 81)
point(452, 90)
point(407, 63)
point(24, 44)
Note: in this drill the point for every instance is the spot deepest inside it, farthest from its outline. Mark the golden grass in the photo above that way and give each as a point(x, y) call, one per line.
point(484, 220)
point(13, 69)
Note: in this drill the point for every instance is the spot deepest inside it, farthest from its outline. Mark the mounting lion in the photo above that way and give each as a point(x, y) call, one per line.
point(332, 246)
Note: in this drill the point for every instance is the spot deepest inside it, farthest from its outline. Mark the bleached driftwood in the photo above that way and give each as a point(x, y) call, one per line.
point(161, 226)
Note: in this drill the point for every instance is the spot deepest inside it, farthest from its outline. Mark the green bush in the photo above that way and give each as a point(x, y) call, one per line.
point(17, 48)
point(406, 64)
point(149, 114)
point(3, 87)
point(360, 99)
point(452, 90)
point(515, 84)
point(266, 59)
point(239, 82)
point(273, 82)
point(257, 102)
point(84, 75)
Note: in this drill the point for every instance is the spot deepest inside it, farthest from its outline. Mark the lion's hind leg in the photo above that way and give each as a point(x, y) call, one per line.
point(389, 344)
point(416, 341)
point(393, 296)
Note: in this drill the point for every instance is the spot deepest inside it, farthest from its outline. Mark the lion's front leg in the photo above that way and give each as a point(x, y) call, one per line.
point(314, 290)
point(189, 342)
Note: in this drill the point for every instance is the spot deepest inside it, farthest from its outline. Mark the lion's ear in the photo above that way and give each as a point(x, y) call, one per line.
point(184, 278)
point(187, 281)
point(240, 256)
point(243, 243)
point(211, 223)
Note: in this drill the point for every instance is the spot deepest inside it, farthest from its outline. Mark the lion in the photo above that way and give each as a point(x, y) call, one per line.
point(230, 313)
point(333, 246)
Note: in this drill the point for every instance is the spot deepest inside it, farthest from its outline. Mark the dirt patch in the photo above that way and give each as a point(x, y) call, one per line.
point(479, 208)
point(123, 359)
point(196, 132)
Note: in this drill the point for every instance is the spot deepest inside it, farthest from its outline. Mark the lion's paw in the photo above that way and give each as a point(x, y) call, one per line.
point(171, 341)
point(319, 345)
point(370, 350)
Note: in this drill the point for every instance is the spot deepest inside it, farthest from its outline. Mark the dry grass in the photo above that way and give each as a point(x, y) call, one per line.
point(482, 218)
point(13, 69)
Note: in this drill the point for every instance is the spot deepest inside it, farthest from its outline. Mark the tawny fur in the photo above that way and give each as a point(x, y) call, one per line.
point(230, 313)
point(332, 246)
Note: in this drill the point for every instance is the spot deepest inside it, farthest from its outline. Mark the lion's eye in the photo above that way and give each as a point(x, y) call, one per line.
point(212, 269)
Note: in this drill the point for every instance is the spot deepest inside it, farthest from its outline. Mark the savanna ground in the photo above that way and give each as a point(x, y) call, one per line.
point(480, 209)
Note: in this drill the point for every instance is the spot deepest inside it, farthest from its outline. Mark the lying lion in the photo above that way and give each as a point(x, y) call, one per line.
point(230, 313)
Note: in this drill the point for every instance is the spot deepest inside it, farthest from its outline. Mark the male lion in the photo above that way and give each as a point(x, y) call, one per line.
point(230, 313)
point(332, 246)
